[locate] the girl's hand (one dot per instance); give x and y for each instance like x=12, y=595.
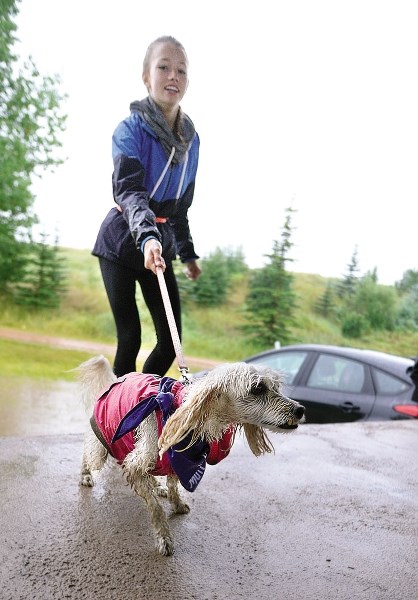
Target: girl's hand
x=152, y=256
x=192, y=270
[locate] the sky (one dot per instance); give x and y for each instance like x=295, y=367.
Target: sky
x=302, y=104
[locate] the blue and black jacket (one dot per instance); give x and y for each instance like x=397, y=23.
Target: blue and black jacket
x=139, y=162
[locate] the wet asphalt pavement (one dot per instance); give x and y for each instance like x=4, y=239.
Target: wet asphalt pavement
x=333, y=515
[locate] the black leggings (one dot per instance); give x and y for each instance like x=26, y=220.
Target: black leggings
x=120, y=284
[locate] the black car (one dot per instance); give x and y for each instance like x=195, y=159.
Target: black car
x=337, y=384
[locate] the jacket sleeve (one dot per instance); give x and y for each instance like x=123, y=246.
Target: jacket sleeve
x=129, y=191
x=180, y=223
x=132, y=197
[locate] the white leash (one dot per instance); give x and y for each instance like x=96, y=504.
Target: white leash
x=173, y=327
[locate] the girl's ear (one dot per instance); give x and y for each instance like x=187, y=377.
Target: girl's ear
x=257, y=439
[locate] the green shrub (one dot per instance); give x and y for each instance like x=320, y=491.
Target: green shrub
x=354, y=325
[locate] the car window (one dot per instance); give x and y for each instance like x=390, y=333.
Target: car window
x=388, y=384
x=337, y=373
x=287, y=363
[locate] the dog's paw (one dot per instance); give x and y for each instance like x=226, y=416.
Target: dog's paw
x=182, y=508
x=165, y=546
x=86, y=480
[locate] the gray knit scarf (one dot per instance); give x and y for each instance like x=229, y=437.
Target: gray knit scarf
x=180, y=137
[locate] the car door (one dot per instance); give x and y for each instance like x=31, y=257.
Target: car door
x=335, y=389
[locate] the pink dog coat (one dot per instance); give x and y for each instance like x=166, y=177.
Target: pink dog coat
x=122, y=407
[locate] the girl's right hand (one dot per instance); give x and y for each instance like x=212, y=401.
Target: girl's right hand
x=152, y=256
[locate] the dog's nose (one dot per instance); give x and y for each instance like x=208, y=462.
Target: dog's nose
x=299, y=411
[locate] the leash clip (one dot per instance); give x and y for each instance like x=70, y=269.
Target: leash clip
x=185, y=376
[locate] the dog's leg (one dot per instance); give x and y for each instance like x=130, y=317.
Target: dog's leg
x=145, y=454
x=94, y=457
x=137, y=466
x=180, y=507
x=144, y=486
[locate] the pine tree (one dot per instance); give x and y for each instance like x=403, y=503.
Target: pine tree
x=325, y=304
x=271, y=300
x=44, y=279
x=347, y=286
x=218, y=271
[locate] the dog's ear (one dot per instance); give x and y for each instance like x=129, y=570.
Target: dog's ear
x=257, y=439
x=190, y=416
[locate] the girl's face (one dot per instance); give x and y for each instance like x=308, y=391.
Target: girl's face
x=166, y=79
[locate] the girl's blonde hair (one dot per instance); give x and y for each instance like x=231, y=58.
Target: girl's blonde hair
x=164, y=39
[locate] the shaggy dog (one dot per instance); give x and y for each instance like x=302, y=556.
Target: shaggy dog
x=158, y=426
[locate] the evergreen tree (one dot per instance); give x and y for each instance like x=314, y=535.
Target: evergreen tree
x=235, y=260
x=271, y=300
x=212, y=286
x=218, y=270
x=372, y=275
x=30, y=122
x=44, y=278
x=325, y=304
x=348, y=284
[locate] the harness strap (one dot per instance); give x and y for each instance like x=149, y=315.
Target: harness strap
x=99, y=435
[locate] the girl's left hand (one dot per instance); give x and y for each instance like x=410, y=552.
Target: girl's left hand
x=192, y=270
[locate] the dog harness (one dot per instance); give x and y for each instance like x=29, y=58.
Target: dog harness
x=132, y=398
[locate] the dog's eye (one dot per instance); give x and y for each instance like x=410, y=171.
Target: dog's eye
x=259, y=389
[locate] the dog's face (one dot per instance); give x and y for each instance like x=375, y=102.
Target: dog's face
x=237, y=394
x=260, y=400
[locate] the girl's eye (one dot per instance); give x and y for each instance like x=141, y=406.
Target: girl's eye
x=181, y=72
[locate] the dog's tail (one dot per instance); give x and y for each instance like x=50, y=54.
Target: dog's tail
x=94, y=375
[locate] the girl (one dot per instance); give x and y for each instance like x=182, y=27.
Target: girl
x=155, y=154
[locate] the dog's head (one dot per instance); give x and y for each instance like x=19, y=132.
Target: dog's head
x=244, y=395
x=259, y=399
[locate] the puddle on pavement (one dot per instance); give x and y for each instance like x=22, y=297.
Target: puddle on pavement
x=32, y=407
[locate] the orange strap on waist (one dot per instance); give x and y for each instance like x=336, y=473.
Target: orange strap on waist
x=157, y=219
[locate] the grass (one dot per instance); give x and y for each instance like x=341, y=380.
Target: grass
x=35, y=361
x=211, y=333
